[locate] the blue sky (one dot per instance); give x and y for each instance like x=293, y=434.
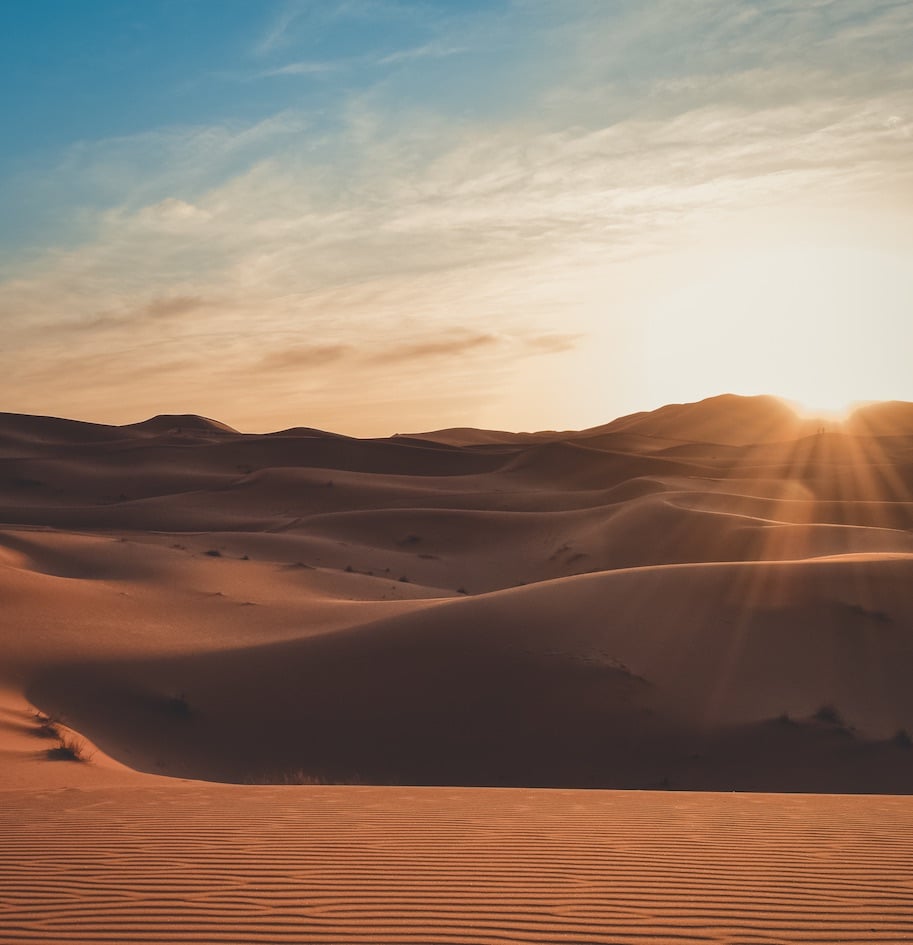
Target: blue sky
x=298, y=212
x=78, y=73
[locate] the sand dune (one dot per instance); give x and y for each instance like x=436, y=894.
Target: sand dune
x=583, y=681
x=710, y=597
x=629, y=606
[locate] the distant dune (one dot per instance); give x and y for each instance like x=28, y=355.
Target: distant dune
x=710, y=596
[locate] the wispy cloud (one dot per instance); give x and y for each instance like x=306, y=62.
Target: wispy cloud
x=278, y=28
x=552, y=343
x=414, y=351
x=420, y=350
x=302, y=68
x=434, y=50
x=300, y=357
x=157, y=310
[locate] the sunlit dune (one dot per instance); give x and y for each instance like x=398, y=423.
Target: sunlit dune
x=708, y=597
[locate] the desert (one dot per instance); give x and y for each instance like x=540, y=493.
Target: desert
x=433, y=687
x=456, y=472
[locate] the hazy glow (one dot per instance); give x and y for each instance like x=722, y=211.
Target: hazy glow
x=819, y=325
x=378, y=217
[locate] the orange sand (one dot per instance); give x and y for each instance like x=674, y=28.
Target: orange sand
x=337, y=865
x=709, y=597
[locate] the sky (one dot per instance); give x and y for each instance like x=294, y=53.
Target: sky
x=379, y=216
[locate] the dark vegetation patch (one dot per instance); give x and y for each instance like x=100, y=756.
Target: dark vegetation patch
x=829, y=716
x=23, y=482
x=785, y=719
x=178, y=707
x=880, y=616
x=69, y=747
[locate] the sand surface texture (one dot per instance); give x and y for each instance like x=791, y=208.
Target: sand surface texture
x=432, y=865
x=710, y=597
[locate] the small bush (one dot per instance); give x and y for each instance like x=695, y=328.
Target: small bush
x=178, y=706
x=404, y=580
x=301, y=777
x=47, y=726
x=901, y=739
x=69, y=748
x=880, y=615
x=213, y=553
x=829, y=716
x=462, y=590
x=349, y=569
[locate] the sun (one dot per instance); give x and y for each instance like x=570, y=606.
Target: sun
x=834, y=409
x=823, y=327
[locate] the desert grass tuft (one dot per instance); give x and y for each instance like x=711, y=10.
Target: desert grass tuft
x=829, y=716
x=300, y=777
x=47, y=725
x=178, y=706
x=70, y=748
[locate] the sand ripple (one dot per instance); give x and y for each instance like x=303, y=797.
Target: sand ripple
x=218, y=864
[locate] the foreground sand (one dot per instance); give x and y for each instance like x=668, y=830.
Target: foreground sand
x=220, y=864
